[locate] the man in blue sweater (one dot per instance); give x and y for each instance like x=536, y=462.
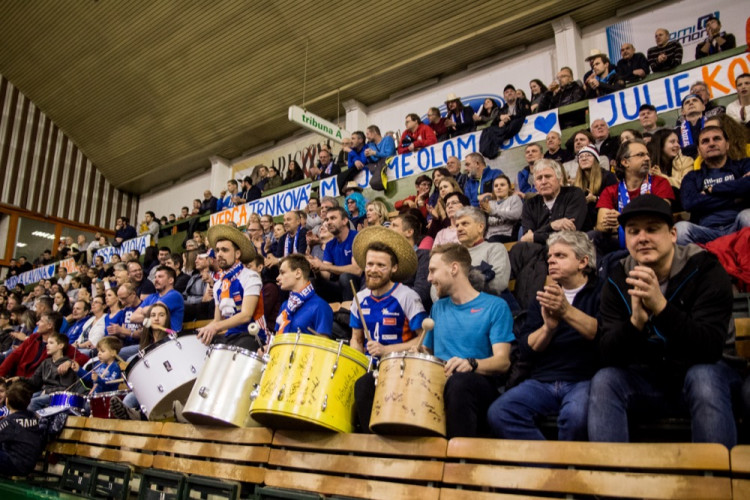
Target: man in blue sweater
x=718, y=195
x=479, y=183
x=557, y=342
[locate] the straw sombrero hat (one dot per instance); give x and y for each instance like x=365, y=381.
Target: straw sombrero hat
x=407, y=257
x=226, y=232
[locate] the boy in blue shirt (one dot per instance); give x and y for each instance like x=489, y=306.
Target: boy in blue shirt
x=107, y=375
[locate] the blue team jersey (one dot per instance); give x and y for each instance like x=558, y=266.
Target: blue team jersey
x=105, y=375
x=125, y=322
x=315, y=313
x=340, y=253
x=75, y=331
x=391, y=318
x=469, y=330
x=174, y=302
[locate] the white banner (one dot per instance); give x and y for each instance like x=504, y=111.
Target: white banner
x=667, y=93
x=535, y=128
x=685, y=21
x=276, y=204
x=140, y=243
x=33, y=276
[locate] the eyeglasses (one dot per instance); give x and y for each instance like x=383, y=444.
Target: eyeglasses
x=637, y=155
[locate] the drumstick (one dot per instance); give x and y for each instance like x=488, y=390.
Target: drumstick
x=427, y=324
x=359, y=310
x=81, y=378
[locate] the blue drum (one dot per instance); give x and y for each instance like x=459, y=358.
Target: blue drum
x=61, y=401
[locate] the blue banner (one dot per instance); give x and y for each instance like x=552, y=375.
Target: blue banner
x=33, y=276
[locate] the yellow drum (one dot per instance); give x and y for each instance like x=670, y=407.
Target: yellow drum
x=308, y=384
x=409, y=395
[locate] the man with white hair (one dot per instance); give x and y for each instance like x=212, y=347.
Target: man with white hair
x=557, y=343
x=558, y=208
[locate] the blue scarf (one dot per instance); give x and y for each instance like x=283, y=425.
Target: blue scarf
x=288, y=243
x=606, y=77
x=623, y=198
x=686, y=134
x=297, y=299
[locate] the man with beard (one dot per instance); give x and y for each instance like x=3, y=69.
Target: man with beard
x=304, y=311
x=237, y=293
x=391, y=311
x=166, y=294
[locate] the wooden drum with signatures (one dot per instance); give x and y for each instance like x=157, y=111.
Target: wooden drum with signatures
x=409, y=395
x=308, y=383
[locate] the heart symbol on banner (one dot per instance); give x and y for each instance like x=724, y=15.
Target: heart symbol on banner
x=545, y=123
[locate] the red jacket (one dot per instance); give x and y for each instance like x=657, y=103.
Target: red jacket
x=25, y=358
x=424, y=136
x=733, y=251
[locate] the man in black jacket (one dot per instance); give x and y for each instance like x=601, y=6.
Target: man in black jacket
x=603, y=79
x=632, y=66
x=665, y=315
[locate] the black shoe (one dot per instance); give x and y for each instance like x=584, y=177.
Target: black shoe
x=118, y=410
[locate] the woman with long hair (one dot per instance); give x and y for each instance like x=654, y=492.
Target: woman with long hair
x=738, y=136
x=158, y=313
x=591, y=178
x=503, y=211
x=437, y=175
x=487, y=114
x=376, y=214
x=540, y=96
x=294, y=173
x=667, y=159
x=440, y=219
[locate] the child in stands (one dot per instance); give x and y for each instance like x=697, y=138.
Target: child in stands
x=20, y=438
x=106, y=375
x=46, y=378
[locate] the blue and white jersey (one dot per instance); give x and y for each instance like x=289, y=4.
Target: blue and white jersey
x=391, y=318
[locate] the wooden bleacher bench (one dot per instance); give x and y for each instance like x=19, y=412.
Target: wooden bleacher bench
x=125, y=441
x=742, y=336
x=740, y=461
x=237, y=454
x=355, y=465
x=512, y=469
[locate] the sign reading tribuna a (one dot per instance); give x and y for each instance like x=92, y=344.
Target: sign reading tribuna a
x=316, y=124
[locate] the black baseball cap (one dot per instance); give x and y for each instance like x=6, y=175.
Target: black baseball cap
x=650, y=107
x=646, y=204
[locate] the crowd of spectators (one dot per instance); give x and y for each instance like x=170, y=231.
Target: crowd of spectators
x=633, y=208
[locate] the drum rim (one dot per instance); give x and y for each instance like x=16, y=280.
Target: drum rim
x=413, y=355
x=69, y=393
x=153, y=346
x=105, y=394
x=363, y=364
x=238, y=350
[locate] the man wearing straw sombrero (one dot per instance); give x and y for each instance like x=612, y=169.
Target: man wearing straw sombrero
x=392, y=312
x=237, y=292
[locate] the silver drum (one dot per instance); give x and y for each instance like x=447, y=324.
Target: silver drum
x=223, y=391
